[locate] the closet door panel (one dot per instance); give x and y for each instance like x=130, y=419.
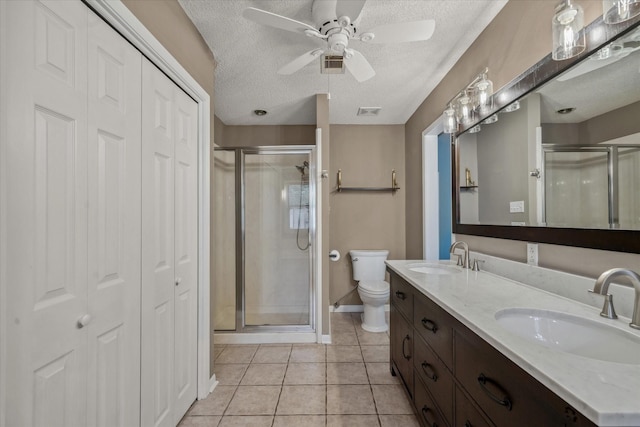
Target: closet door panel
x=158, y=268
x=46, y=217
x=114, y=151
x=186, y=247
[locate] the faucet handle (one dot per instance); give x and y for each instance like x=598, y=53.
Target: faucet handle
x=476, y=264
x=608, y=310
x=459, y=262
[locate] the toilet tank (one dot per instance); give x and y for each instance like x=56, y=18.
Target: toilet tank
x=368, y=264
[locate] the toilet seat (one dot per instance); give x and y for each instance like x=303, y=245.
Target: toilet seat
x=374, y=287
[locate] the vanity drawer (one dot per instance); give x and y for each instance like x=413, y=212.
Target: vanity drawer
x=466, y=414
x=428, y=413
x=506, y=393
x=435, y=376
x=402, y=296
x=436, y=327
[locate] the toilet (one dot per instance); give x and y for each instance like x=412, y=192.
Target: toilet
x=369, y=271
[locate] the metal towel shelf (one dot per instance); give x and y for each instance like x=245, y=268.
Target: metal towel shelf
x=394, y=184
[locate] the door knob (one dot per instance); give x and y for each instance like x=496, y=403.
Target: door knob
x=84, y=321
x=178, y=281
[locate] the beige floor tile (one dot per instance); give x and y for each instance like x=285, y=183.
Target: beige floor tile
x=305, y=373
x=272, y=354
x=308, y=353
x=217, y=349
x=200, y=421
x=344, y=338
x=380, y=373
x=375, y=353
x=342, y=322
x=371, y=338
x=264, y=374
x=346, y=373
x=302, y=400
x=215, y=403
x=237, y=354
x=254, y=400
x=350, y=399
x=399, y=421
x=247, y=421
x=229, y=374
x=344, y=353
x=299, y=421
x=391, y=399
x=352, y=421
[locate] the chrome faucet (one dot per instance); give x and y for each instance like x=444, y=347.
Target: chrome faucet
x=465, y=261
x=602, y=287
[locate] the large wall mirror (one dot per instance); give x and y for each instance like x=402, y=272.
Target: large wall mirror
x=559, y=162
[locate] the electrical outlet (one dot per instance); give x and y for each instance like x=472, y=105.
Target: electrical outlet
x=532, y=253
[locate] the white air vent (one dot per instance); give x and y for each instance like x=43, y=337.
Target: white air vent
x=369, y=111
x=332, y=64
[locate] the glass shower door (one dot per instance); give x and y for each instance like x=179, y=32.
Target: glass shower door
x=277, y=254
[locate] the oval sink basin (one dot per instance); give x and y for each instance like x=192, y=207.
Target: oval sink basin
x=572, y=334
x=432, y=268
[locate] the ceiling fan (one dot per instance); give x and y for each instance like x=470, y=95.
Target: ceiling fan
x=335, y=21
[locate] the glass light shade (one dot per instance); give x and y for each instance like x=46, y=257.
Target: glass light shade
x=483, y=94
x=449, y=120
x=464, y=109
x=567, y=25
x=616, y=11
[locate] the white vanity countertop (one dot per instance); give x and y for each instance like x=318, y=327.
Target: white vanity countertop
x=605, y=392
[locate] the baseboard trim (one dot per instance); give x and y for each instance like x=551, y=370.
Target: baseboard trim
x=326, y=339
x=352, y=308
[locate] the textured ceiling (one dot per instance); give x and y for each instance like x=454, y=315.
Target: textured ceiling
x=249, y=54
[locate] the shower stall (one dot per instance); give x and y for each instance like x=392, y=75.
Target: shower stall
x=263, y=230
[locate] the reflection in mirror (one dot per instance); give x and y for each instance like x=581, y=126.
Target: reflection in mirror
x=568, y=157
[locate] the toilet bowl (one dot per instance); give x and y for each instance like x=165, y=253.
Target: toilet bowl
x=369, y=272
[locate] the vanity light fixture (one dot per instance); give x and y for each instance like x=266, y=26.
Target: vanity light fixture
x=514, y=106
x=567, y=30
x=475, y=99
x=616, y=11
x=491, y=119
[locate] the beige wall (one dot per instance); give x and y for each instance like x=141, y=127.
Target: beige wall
x=251, y=136
x=365, y=220
x=167, y=21
x=516, y=39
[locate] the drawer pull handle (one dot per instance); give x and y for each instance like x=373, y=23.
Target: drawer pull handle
x=401, y=295
x=407, y=338
x=429, y=325
x=425, y=410
x=430, y=373
x=505, y=401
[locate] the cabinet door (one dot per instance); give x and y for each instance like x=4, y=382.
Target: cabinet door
x=114, y=149
x=44, y=210
x=402, y=347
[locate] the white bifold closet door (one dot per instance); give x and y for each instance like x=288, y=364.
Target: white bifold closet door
x=169, y=249
x=73, y=167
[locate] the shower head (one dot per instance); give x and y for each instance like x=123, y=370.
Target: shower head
x=305, y=165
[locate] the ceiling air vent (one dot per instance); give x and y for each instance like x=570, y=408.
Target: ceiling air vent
x=369, y=111
x=332, y=64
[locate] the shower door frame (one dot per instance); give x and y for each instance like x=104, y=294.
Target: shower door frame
x=240, y=217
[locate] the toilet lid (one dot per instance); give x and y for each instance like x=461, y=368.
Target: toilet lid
x=374, y=287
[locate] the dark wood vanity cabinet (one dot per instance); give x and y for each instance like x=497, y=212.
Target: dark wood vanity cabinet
x=455, y=378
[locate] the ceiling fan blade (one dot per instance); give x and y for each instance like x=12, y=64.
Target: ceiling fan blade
x=402, y=32
x=277, y=21
x=358, y=65
x=350, y=8
x=300, y=62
